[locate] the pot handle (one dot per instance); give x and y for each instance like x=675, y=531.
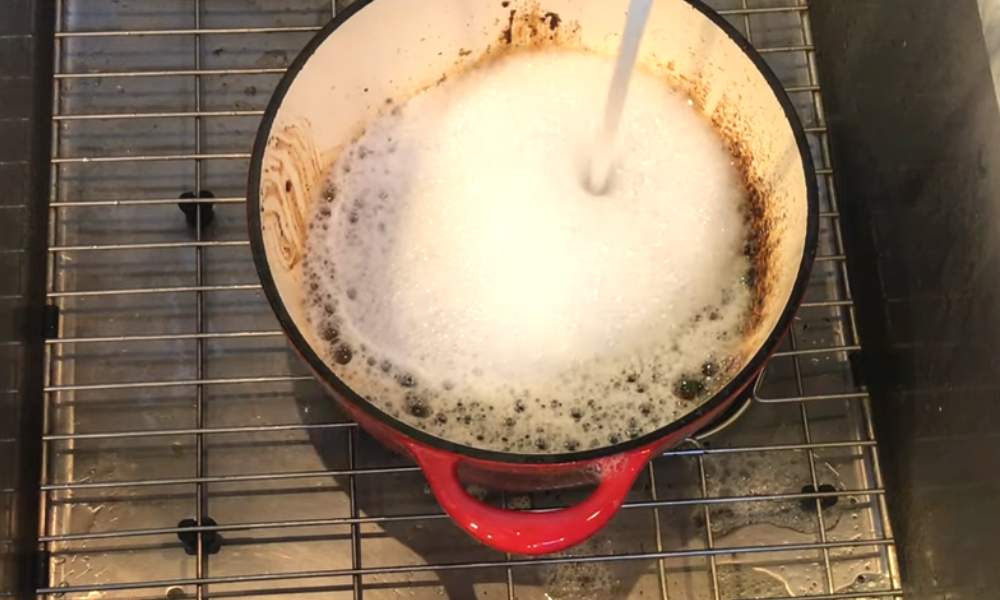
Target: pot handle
x=521, y=532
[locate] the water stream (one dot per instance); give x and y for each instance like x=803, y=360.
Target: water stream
x=603, y=155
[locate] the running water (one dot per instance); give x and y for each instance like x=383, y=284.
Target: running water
x=604, y=145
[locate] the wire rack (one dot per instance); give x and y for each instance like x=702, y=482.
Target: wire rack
x=188, y=453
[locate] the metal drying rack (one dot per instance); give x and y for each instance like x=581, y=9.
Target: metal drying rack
x=186, y=454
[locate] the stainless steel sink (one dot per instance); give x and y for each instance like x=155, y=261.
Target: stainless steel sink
x=171, y=395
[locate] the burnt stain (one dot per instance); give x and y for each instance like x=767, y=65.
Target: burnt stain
x=508, y=33
x=553, y=19
x=532, y=27
x=759, y=208
x=464, y=52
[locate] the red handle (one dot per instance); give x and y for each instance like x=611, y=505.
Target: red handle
x=530, y=532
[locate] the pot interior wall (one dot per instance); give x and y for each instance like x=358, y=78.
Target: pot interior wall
x=397, y=50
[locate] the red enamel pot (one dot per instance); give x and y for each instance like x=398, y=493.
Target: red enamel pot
x=392, y=48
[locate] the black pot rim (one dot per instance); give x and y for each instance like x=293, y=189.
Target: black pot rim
x=736, y=383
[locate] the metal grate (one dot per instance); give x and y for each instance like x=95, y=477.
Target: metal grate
x=170, y=393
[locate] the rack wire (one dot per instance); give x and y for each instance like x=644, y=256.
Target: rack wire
x=171, y=394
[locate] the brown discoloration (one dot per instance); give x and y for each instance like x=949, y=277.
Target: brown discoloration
x=761, y=220
x=530, y=26
x=291, y=169
x=508, y=33
x=553, y=20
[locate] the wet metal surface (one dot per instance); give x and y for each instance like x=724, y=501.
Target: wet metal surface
x=920, y=169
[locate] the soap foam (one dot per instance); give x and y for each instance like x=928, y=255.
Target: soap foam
x=465, y=281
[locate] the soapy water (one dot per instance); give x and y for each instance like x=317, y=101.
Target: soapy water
x=464, y=281
x=753, y=523
x=756, y=474
x=582, y=580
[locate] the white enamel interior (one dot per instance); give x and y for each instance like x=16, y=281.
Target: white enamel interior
x=392, y=48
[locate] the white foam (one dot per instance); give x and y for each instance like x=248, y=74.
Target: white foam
x=463, y=249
